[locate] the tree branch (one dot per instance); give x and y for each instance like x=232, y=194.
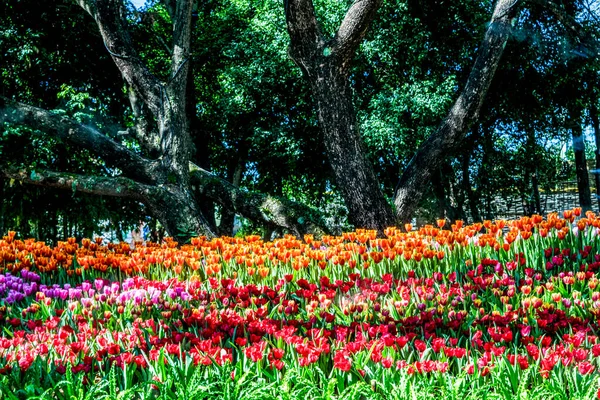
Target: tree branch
x=354, y=27
x=175, y=140
x=106, y=186
x=571, y=24
x=270, y=211
x=182, y=34
x=80, y=135
x=147, y=137
x=304, y=31
x=109, y=18
x=461, y=116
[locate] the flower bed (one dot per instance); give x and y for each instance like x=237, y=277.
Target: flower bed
x=506, y=309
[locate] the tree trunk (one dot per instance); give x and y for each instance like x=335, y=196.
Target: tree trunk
x=267, y=210
x=160, y=177
x=118, y=231
x=354, y=175
x=460, y=198
x=54, y=227
x=176, y=209
x=445, y=193
x=65, y=226
x=440, y=194
x=536, y=191
x=461, y=116
x=228, y=215
x=596, y=127
x=325, y=64
x=471, y=195
x=531, y=185
x=484, y=174
x=198, y=135
x=583, y=181
x=2, y=206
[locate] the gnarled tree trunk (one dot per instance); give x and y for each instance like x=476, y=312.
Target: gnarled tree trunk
x=2, y=205
x=461, y=116
x=354, y=175
x=596, y=127
x=325, y=65
x=159, y=176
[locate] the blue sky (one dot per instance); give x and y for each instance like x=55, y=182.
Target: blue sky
x=138, y=3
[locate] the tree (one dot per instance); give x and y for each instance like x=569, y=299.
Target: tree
x=161, y=176
x=56, y=63
x=325, y=64
x=204, y=120
x=596, y=127
x=462, y=114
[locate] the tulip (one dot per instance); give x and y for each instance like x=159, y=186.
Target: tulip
x=556, y=297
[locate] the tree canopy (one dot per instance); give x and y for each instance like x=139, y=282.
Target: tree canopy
x=300, y=116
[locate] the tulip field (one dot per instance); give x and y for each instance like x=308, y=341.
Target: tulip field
x=496, y=310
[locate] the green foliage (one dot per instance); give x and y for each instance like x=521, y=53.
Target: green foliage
x=254, y=114
x=54, y=59
x=169, y=379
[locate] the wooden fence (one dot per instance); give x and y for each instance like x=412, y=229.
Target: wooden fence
x=562, y=196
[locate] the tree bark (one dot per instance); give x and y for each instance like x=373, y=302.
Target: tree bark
x=536, y=191
x=146, y=135
x=181, y=213
x=458, y=211
x=437, y=181
x=461, y=116
x=453, y=202
x=228, y=215
x=117, y=187
x=166, y=101
x=109, y=16
x=325, y=65
x=583, y=180
x=445, y=194
x=354, y=175
x=484, y=174
x=162, y=184
x=596, y=127
x=161, y=179
x=471, y=195
x=2, y=206
x=145, y=181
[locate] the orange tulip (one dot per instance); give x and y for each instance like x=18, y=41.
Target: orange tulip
x=263, y=272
